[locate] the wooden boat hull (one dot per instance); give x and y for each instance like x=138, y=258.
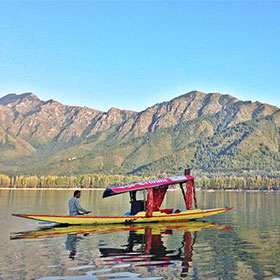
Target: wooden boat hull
x=138, y=218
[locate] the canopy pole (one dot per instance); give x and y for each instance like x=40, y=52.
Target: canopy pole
x=144, y=194
x=183, y=192
x=187, y=171
x=194, y=197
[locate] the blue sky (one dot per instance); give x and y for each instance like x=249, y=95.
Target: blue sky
x=134, y=54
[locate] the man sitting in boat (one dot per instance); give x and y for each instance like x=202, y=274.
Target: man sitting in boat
x=75, y=208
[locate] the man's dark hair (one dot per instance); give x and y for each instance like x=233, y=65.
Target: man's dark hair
x=76, y=192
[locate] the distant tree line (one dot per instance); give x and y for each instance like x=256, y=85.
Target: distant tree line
x=239, y=183
x=81, y=181
x=103, y=181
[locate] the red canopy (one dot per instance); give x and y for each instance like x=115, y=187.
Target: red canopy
x=147, y=185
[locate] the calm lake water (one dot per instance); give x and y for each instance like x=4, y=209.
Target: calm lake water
x=243, y=243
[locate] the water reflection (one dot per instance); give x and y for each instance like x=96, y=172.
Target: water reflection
x=250, y=251
x=157, y=228
x=146, y=244
x=152, y=251
x=71, y=244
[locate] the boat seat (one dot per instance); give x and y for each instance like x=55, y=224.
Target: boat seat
x=136, y=206
x=167, y=211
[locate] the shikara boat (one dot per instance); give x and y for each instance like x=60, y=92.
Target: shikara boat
x=146, y=210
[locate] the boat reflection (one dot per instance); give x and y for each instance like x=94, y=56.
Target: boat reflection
x=152, y=251
x=145, y=245
x=51, y=232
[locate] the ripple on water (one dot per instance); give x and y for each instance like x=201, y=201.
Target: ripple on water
x=195, y=250
x=81, y=267
x=91, y=275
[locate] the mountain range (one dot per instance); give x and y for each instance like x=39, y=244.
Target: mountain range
x=212, y=133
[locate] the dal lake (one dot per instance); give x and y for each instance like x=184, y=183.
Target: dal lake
x=243, y=243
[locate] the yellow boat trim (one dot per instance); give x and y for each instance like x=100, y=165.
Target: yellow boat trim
x=138, y=218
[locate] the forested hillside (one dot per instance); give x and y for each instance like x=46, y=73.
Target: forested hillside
x=214, y=134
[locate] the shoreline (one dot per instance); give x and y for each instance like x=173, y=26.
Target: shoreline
x=102, y=189
x=51, y=189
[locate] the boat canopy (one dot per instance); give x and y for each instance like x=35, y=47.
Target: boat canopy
x=156, y=190
x=155, y=183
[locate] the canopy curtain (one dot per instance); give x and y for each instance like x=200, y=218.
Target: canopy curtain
x=155, y=198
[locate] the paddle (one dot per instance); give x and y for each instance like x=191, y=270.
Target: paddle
x=81, y=214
